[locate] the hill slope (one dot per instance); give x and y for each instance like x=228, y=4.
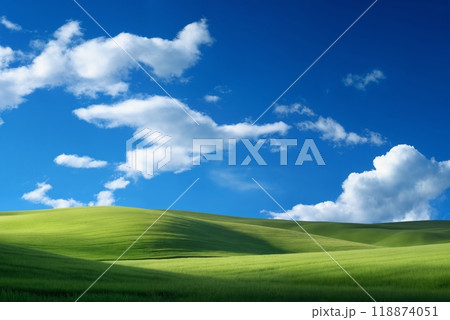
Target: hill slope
x=103, y=233
x=54, y=255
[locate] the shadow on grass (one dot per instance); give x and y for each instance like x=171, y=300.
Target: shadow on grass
x=32, y=275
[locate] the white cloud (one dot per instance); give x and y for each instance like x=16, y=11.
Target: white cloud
x=10, y=25
x=129, y=172
x=6, y=56
x=399, y=188
x=104, y=198
x=296, y=108
x=98, y=65
x=361, y=81
x=119, y=183
x=329, y=128
x=75, y=161
x=164, y=115
x=211, y=98
x=39, y=195
x=333, y=131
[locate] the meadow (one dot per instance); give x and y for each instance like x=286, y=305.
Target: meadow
x=54, y=255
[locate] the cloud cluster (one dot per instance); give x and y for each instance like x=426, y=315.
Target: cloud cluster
x=399, y=188
x=89, y=67
x=106, y=197
x=296, y=108
x=39, y=195
x=328, y=128
x=99, y=66
x=103, y=198
x=164, y=115
x=360, y=82
x=331, y=130
x=75, y=161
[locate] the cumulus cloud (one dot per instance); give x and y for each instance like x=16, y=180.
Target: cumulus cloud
x=333, y=131
x=399, y=188
x=10, y=25
x=296, y=108
x=89, y=67
x=75, y=161
x=6, y=56
x=211, y=98
x=129, y=172
x=164, y=115
x=119, y=183
x=104, y=198
x=39, y=195
x=362, y=81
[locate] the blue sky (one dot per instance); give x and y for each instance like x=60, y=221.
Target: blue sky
x=380, y=93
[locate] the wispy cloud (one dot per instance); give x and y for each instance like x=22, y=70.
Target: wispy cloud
x=362, y=81
x=76, y=161
x=331, y=130
x=296, y=108
x=328, y=128
x=9, y=24
x=211, y=98
x=223, y=89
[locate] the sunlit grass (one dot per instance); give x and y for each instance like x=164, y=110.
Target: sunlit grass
x=54, y=255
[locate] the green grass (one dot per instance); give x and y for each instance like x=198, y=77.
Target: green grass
x=54, y=255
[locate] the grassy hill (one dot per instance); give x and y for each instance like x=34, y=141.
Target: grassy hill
x=54, y=255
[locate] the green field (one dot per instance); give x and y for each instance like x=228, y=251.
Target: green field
x=54, y=255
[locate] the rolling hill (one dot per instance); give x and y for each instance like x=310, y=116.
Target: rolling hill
x=54, y=255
